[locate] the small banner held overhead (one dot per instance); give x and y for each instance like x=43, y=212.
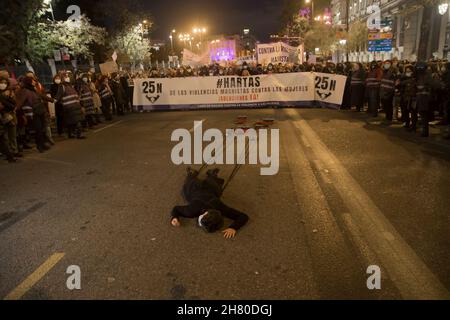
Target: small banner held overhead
x=108, y=67
x=194, y=60
x=279, y=52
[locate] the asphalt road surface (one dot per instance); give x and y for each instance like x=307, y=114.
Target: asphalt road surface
x=349, y=194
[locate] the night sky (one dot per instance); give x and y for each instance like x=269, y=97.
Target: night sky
x=218, y=16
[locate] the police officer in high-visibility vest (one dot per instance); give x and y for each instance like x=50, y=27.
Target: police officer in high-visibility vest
x=423, y=83
x=86, y=99
x=387, y=90
x=357, y=86
x=373, y=88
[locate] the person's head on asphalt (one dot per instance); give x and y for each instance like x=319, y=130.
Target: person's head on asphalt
x=211, y=221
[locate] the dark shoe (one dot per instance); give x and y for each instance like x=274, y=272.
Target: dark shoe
x=81, y=138
x=18, y=155
x=27, y=147
x=12, y=160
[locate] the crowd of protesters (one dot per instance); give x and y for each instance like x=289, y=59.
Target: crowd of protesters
x=81, y=101
x=418, y=91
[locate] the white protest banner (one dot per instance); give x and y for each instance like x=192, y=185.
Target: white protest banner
x=108, y=67
x=57, y=55
x=328, y=89
x=248, y=59
x=194, y=60
x=304, y=89
x=277, y=52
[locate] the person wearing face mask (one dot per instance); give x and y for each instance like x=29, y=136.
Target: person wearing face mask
x=86, y=99
x=373, y=81
x=357, y=87
x=33, y=101
x=96, y=99
x=59, y=113
x=387, y=90
x=42, y=91
x=407, y=92
x=8, y=117
x=72, y=109
x=105, y=95
x=244, y=70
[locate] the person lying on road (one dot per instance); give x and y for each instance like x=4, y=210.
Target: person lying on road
x=204, y=201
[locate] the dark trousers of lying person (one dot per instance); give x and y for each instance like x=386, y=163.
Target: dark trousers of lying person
x=204, y=203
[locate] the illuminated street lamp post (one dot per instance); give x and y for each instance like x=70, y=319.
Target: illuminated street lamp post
x=201, y=32
x=186, y=38
x=171, y=39
x=143, y=28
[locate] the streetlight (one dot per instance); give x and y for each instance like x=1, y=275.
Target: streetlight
x=171, y=39
x=201, y=32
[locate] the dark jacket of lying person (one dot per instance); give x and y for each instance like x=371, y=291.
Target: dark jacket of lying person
x=204, y=201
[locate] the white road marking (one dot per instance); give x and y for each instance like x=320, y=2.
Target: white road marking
x=408, y=272
x=108, y=126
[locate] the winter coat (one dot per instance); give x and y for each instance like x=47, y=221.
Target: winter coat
x=357, y=87
x=387, y=85
x=86, y=98
x=72, y=112
x=423, y=85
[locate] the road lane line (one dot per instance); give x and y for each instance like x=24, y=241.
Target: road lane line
x=408, y=272
x=108, y=126
x=330, y=254
x=32, y=279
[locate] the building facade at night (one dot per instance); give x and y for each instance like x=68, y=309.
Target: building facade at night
x=419, y=33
